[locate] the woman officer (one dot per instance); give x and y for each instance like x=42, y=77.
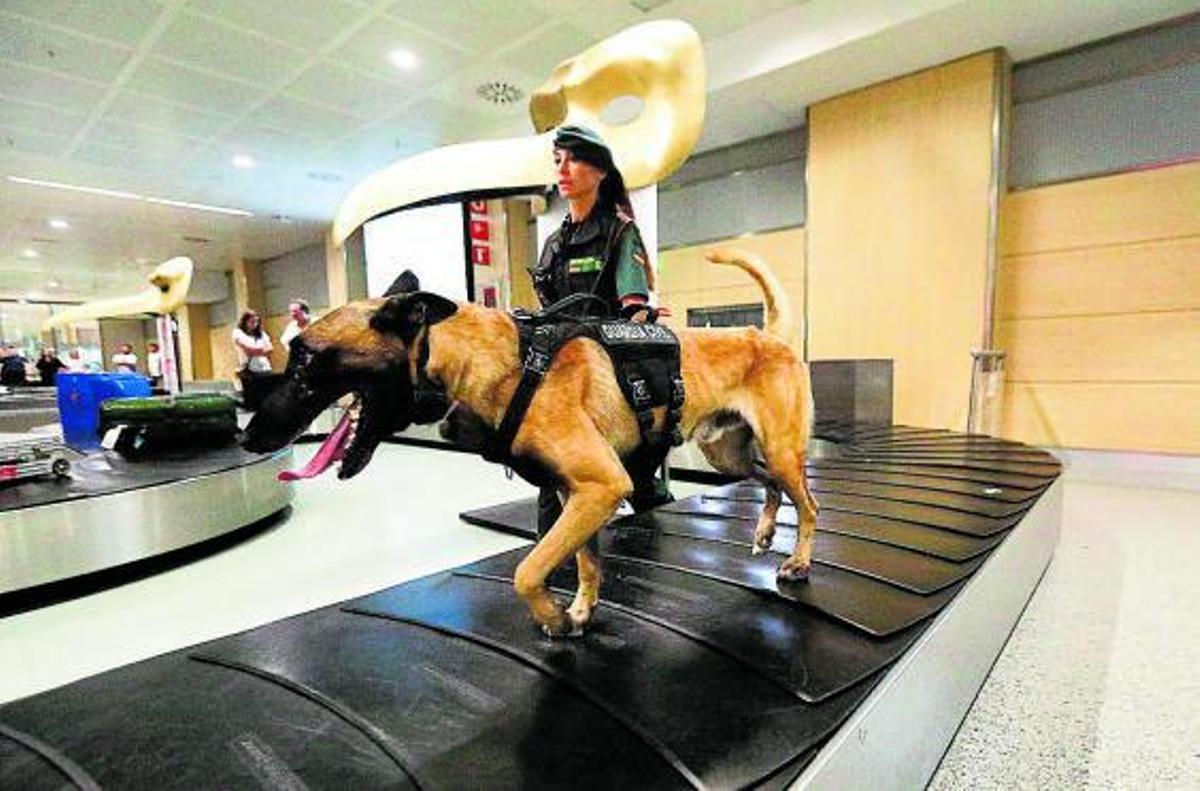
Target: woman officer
x=598, y=250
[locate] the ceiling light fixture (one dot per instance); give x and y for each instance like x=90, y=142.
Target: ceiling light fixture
x=403, y=59
x=243, y=161
x=29, y=252
x=53, y=284
x=129, y=196
x=59, y=225
x=499, y=92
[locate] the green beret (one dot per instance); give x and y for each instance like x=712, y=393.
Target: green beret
x=584, y=144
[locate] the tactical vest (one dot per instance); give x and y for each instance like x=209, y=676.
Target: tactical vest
x=579, y=258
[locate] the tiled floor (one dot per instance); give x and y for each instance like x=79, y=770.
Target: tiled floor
x=1096, y=688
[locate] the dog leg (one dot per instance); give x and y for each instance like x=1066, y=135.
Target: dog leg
x=786, y=465
x=764, y=531
x=588, y=595
x=586, y=511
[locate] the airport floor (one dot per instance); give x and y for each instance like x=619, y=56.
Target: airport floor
x=1096, y=687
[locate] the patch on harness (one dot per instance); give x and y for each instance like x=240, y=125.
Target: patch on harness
x=630, y=331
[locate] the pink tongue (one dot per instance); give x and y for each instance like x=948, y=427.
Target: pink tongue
x=330, y=451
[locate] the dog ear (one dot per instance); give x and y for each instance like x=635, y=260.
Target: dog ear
x=406, y=283
x=405, y=314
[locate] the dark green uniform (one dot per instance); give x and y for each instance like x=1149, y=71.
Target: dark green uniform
x=603, y=255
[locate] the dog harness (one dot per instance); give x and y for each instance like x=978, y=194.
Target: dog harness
x=645, y=359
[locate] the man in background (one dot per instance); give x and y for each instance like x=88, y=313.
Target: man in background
x=301, y=317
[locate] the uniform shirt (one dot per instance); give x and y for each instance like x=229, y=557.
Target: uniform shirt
x=602, y=255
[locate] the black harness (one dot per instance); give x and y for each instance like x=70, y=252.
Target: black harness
x=645, y=358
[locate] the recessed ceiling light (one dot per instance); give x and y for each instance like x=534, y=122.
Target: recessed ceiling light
x=53, y=284
x=59, y=225
x=403, y=59
x=29, y=252
x=243, y=161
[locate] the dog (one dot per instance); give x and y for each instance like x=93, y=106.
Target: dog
x=747, y=394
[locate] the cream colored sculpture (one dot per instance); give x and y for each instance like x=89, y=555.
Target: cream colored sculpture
x=169, y=284
x=660, y=63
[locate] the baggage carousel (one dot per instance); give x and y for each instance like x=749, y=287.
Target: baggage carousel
x=111, y=513
x=699, y=670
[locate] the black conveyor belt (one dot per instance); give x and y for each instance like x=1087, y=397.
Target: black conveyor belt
x=699, y=669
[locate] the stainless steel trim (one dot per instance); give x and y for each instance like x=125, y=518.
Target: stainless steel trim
x=53, y=542
x=897, y=737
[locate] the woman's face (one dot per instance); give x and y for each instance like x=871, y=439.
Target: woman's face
x=576, y=178
x=252, y=321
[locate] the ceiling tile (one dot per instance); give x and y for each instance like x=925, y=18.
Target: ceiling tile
x=121, y=21
x=176, y=83
x=304, y=23
x=143, y=110
x=350, y=91
x=121, y=157
x=17, y=82
x=432, y=121
x=302, y=119
x=196, y=41
x=151, y=142
x=460, y=90
x=42, y=47
x=30, y=142
x=474, y=24
x=368, y=50
x=549, y=48
x=39, y=117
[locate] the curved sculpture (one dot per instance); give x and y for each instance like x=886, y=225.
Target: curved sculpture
x=169, y=284
x=660, y=63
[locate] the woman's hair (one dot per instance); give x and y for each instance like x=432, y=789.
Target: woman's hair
x=244, y=324
x=613, y=194
x=300, y=303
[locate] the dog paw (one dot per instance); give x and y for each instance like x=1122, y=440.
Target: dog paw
x=567, y=630
x=757, y=549
x=792, y=571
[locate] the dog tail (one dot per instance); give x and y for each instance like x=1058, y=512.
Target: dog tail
x=780, y=320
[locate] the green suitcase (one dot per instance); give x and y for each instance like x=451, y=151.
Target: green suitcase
x=160, y=423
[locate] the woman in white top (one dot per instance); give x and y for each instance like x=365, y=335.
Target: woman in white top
x=253, y=344
x=253, y=347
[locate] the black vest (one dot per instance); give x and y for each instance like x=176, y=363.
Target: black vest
x=591, y=248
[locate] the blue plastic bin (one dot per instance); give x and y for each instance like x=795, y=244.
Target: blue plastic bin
x=79, y=399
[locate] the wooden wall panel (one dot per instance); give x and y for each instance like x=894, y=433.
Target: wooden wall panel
x=898, y=182
x=1134, y=278
x=200, y=341
x=1121, y=209
x=1163, y=418
x=1135, y=347
x=224, y=358
x=1099, y=294
x=686, y=280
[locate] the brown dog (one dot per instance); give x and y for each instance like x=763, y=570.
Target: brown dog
x=747, y=393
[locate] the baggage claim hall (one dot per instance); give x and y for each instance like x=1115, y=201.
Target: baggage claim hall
x=617, y=394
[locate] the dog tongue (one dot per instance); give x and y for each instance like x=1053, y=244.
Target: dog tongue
x=330, y=451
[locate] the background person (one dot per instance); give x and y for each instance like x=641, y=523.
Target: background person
x=253, y=346
x=154, y=364
x=301, y=317
x=75, y=361
x=48, y=366
x=12, y=366
x=124, y=361
x=598, y=250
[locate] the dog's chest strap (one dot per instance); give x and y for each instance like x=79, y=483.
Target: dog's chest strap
x=645, y=358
